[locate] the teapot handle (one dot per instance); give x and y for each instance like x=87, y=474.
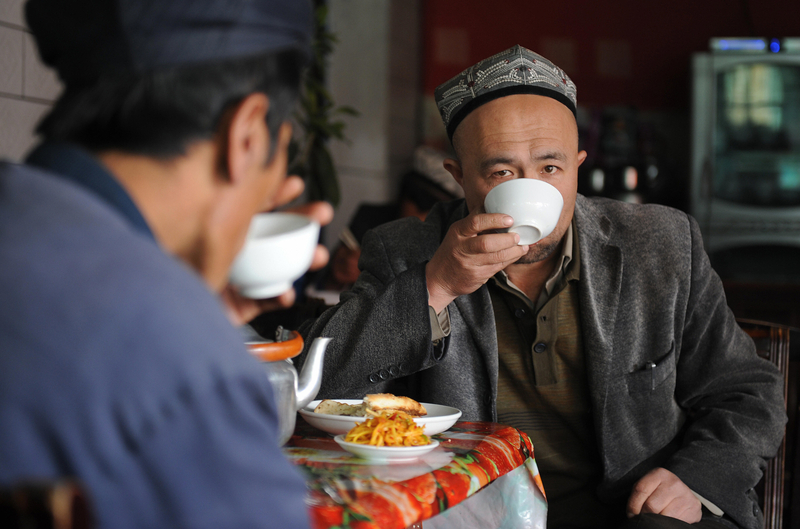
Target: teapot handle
x=273, y=351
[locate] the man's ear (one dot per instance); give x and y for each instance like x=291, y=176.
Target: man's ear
x=245, y=141
x=453, y=167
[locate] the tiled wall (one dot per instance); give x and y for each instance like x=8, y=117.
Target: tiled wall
x=27, y=88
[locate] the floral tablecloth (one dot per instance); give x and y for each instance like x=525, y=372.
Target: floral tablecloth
x=495, y=460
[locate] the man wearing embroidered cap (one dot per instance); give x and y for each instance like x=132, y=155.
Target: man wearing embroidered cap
x=118, y=365
x=608, y=341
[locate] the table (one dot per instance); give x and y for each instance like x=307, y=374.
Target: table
x=481, y=475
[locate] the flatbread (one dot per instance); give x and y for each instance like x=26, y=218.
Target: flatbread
x=332, y=407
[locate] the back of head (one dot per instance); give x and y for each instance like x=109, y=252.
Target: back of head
x=422, y=191
x=152, y=76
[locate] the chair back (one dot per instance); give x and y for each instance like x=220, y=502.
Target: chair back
x=45, y=504
x=772, y=343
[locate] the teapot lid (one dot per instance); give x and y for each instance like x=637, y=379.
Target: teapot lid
x=269, y=351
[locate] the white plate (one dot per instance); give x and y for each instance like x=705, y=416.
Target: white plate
x=386, y=453
x=438, y=420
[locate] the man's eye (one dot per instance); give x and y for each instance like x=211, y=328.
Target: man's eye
x=503, y=172
x=550, y=169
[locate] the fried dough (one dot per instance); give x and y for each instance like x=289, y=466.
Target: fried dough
x=387, y=402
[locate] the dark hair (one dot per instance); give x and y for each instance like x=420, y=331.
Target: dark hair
x=161, y=113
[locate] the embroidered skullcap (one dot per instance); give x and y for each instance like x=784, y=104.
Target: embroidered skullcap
x=516, y=70
x=83, y=39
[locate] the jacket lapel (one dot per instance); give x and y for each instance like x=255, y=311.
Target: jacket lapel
x=600, y=283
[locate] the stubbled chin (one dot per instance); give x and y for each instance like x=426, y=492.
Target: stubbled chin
x=538, y=252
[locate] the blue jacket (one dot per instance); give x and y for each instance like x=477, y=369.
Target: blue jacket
x=119, y=367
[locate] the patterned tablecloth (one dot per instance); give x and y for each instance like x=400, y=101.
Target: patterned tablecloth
x=481, y=475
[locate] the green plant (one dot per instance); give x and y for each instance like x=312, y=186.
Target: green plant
x=318, y=118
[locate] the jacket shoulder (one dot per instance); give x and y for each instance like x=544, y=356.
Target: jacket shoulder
x=625, y=212
x=647, y=223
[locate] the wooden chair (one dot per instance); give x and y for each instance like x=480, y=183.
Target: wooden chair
x=772, y=343
x=45, y=505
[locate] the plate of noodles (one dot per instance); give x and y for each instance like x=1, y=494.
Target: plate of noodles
x=438, y=419
x=387, y=436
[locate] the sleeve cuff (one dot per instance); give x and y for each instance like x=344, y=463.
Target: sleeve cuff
x=440, y=324
x=713, y=509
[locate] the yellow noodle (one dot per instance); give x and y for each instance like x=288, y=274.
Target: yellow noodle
x=394, y=428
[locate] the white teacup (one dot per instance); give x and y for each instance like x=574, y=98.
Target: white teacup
x=278, y=250
x=534, y=205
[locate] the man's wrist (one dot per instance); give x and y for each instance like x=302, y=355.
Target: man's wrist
x=439, y=304
x=436, y=298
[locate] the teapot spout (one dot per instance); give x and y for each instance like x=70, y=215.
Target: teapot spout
x=310, y=378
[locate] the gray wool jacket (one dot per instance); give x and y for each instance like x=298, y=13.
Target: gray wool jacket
x=710, y=411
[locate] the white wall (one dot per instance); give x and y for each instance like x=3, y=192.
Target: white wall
x=27, y=88
x=374, y=68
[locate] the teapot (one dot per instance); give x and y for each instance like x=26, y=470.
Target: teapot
x=292, y=392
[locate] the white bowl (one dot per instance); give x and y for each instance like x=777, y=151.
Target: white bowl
x=534, y=205
x=386, y=453
x=438, y=420
x=278, y=250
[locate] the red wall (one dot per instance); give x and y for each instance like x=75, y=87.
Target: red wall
x=631, y=52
